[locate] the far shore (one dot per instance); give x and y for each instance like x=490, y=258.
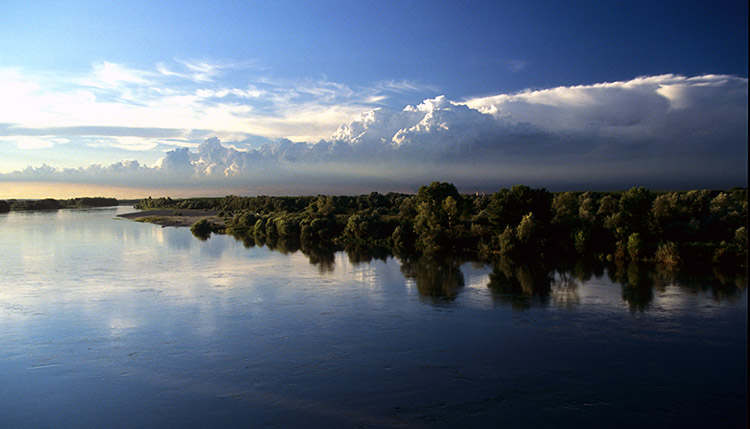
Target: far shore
x=173, y=217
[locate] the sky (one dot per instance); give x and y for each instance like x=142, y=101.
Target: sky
x=190, y=98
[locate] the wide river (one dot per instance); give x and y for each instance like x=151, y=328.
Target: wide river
x=113, y=323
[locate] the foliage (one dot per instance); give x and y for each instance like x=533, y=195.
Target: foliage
x=516, y=223
x=581, y=240
x=667, y=254
x=508, y=207
x=635, y=246
x=634, y=214
x=438, y=220
x=53, y=204
x=202, y=229
x=90, y=202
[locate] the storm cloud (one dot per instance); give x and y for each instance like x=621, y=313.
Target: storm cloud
x=663, y=131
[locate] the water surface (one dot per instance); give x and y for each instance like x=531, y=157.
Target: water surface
x=112, y=323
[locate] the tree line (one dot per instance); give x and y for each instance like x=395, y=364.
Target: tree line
x=520, y=223
x=53, y=204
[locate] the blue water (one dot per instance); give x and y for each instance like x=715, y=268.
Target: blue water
x=113, y=323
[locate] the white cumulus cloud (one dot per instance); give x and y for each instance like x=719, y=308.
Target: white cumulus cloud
x=660, y=131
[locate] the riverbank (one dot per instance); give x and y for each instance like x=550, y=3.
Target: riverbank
x=183, y=217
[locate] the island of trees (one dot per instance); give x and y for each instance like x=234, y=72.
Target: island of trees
x=520, y=223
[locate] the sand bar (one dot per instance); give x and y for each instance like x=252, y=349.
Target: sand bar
x=173, y=217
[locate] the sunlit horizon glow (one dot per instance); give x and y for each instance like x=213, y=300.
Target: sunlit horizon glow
x=259, y=100
x=41, y=190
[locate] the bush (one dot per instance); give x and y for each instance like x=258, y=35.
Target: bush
x=357, y=228
x=202, y=229
x=581, y=240
x=667, y=254
x=635, y=246
x=506, y=242
x=740, y=239
x=288, y=226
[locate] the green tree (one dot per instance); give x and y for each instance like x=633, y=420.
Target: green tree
x=587, y=208
x=437, y=220
x=323, y=206
x=437, y=192
x=581, y=239
x=407, y=208
x=403, y=238
x=728, y=211
x=508, y=207
x=288, y=225
x=450, y=209
x=272, y=231
x=428, y=227
x=740, y=239
x=565, y=210
x=202, y=229
x=506, y=243
x=357, y=228
x=635, y=212
x=607, y=212
x=635, y=246
x=527, y=229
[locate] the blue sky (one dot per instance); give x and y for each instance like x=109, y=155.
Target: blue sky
x=103, y=85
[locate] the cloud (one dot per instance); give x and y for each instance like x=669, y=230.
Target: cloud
x=663, y=131
x=30, y=143
x=107, y=75
x=403, y=86
x=11, y=130
x=233, y=101
x=195, y=71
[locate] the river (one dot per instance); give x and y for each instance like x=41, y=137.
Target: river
x=106, y=322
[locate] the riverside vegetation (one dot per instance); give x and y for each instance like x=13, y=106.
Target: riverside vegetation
x=52, y=204
x=520, y=223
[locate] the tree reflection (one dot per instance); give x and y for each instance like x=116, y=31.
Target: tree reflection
x=722, y=287
x=247, y=240
x=664, y=275
x=636, y=282
x=360, y=254
x=201, y=234
x=323, y=257
x=727, y=287
x=586, y=268
x=283, y=245
x=565, y=289
x=438, y=278
x=520, y=285
x=512, y=282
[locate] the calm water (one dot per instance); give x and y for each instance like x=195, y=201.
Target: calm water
x=112, y=323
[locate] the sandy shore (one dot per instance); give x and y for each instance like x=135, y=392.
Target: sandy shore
x=172, y=217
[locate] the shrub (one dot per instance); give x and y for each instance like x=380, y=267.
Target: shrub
x=202, y=229
x=667, y=254
x=581, y=240
x=635, y=246
x=506, y=242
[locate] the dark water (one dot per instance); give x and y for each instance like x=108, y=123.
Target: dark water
x=112, y=323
